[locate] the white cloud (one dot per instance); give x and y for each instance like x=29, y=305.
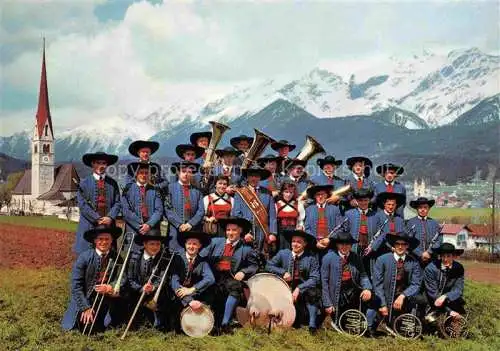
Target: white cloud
x=162, y=53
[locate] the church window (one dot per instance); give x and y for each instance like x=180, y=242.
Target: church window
x=36, y=149
x=46, y=148
x=46, y=130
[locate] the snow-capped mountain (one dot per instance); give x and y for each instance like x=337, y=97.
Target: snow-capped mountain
x=426, y=90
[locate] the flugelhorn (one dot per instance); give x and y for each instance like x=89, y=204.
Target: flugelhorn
x=259, y=144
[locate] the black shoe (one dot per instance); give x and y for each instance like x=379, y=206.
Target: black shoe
x=226, y=329
x=370, y=333
x=313, y=330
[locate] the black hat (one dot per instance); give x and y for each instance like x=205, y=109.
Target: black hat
x=389, y=166
x=261, y=172
x=382, y=197
x=133, y=167
x=91, y=234
x=295, y=162
x=309, y=238
x=448, y=248
x=234, y=141
x=276, y=145
x=362, y=193
x=343, y=238
x=227, y=150
x=88, y=158
x=194, y=137
x=139, y=144
x=422, y=201
x=153, y=234
x=184, y=164
x=328, y=160
x=244, y=224
x=352, y=160
x=269, y=158
x=311, y=191
x=204, y=238
x=393, y=237
x=182, y=148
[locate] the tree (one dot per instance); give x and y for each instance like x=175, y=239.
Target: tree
x=7, y=188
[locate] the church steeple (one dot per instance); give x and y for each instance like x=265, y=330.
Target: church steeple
x=43, y=117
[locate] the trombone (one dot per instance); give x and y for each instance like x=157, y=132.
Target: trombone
x=99, y=298
x=153, y=304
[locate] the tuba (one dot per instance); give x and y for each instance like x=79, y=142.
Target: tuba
x=218, y=129
x=311, y=148
x=259, y=144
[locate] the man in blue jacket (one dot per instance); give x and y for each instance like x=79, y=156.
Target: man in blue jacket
x=425, y=229
x=231, y=262
x=390, y=172
x=185, y=209
x=300, y=269
x=141, y=203
x=344, y=280
x=140, y=279
x=91, y=278
x=444, y=282
x=192, y=277
x=396, y=279
x=98, y=197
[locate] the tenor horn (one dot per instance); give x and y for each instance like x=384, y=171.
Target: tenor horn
x=311, y=148
x=259, y=144
x=218, y=130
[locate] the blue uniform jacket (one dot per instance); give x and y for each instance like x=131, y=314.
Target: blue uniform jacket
x=240, y=209
x=431, y=228
x=367, y=182
x=332, y=213
x=132, y=216
x=83, y=280
x=452, y=282
x=354, y=220
x=201, y=277
x=384, y=278
x=282, y=262
x=331, y=277
x=88, y=216
x=322, y=179
x=397, y=188
x=382, y=217
x=175, y=214
x=244, y=257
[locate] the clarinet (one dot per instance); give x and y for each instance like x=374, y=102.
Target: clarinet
x=337, y=227
x=375, y=237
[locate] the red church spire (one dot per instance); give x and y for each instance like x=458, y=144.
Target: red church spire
x=43, y=112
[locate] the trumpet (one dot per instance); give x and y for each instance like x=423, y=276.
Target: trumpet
x=154, y=302
x=99, y=298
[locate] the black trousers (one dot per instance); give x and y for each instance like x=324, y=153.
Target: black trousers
x=310, y=296
x=224, y=287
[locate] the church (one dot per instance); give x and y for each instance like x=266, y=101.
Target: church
x=45, y=189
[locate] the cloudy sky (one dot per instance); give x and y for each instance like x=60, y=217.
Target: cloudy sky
x=111, y=57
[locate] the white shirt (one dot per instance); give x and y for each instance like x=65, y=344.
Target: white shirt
x=396, y=257
x=356, y=176
x=146, y=256
x=98, y=176
x=342, y=256
x=206, y=201
x=100, y=253
x=387, y=183
x=182, y=183
x=321, y=205
x=388, y=214
x=297, y=255
x=139, y=184
x=192, y=258
x=422, y=218
x=233, y=244
x=362, y=211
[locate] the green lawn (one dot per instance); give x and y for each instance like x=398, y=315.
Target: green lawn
x=40, y=222
x=33, y=301
x=439, y=212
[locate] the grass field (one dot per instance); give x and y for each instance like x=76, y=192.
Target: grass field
x=33, y=301
x=475, y=215
x=40, y=222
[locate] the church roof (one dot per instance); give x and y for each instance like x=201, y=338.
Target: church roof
x=43, y=111
x=63, y=183
x=23, y=186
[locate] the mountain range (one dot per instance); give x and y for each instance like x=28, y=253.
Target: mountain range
x=391, y=107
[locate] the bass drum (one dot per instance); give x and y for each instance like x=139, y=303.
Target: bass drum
x=197, y=324
x=270, y=302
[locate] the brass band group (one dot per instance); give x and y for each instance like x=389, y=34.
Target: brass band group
x=256, y=240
